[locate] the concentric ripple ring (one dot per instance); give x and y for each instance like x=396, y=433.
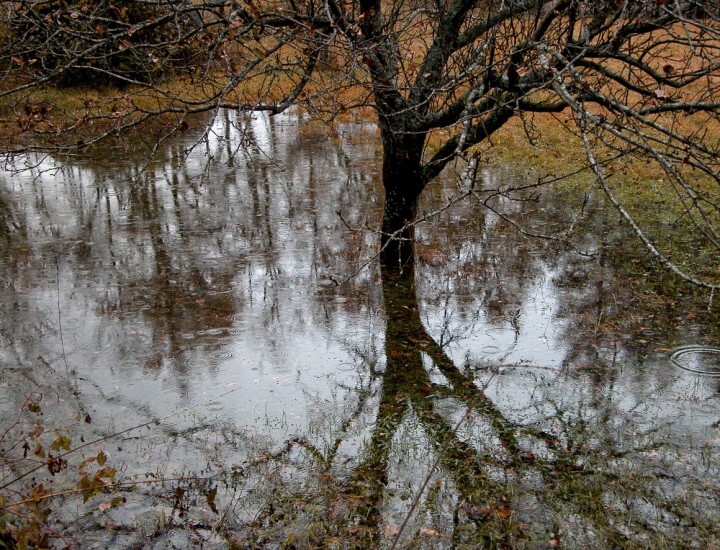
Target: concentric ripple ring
x=696, y=366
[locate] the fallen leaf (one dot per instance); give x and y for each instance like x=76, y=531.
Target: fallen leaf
x=479, y=512
x=391, y=529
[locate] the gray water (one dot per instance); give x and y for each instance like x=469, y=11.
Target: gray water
x=225, y=295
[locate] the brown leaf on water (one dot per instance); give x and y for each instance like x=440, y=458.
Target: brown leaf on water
x=391, y=530
x=61, y=442
x=478, y=512
x=37, y=430
x=39, y=451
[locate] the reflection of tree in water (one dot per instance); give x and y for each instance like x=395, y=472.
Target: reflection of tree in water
x=407, y=389
x=505, y=478
x=188, y=246
x=178, y=250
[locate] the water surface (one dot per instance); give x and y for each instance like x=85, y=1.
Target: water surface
x=225, y=295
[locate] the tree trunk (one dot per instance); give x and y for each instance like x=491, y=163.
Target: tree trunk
x=403, y=182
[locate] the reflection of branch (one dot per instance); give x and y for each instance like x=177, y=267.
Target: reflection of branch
x=447, y=441
x=369, y=478
x=465, y=389
x=404, y=325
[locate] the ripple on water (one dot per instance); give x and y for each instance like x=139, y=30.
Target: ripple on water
x=347, y=367
x=697, y=359
x=193, y=361
x=222, y=355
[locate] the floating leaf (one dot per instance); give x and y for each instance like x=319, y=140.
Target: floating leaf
x=61, y=442
x=39, y=450
x=56, y=464
x=391, y=529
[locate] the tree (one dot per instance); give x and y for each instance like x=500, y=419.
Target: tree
x=630, y=78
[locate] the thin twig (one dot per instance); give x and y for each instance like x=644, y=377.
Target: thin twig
x=60, y=329
x=116, y=434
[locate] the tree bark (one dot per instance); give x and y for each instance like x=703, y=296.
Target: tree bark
x=403, y=183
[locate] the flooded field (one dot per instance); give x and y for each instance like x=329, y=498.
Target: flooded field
x=215, y=324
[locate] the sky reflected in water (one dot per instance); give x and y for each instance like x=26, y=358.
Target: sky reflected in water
x=206, y=281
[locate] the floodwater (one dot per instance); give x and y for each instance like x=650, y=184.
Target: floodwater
x=215, y=318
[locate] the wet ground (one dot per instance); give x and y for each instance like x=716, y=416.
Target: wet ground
x=215, y=323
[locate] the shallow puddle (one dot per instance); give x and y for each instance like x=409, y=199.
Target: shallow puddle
x=225, y=297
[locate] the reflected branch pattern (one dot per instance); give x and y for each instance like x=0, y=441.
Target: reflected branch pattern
x=518, y=392
x=484, y=470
